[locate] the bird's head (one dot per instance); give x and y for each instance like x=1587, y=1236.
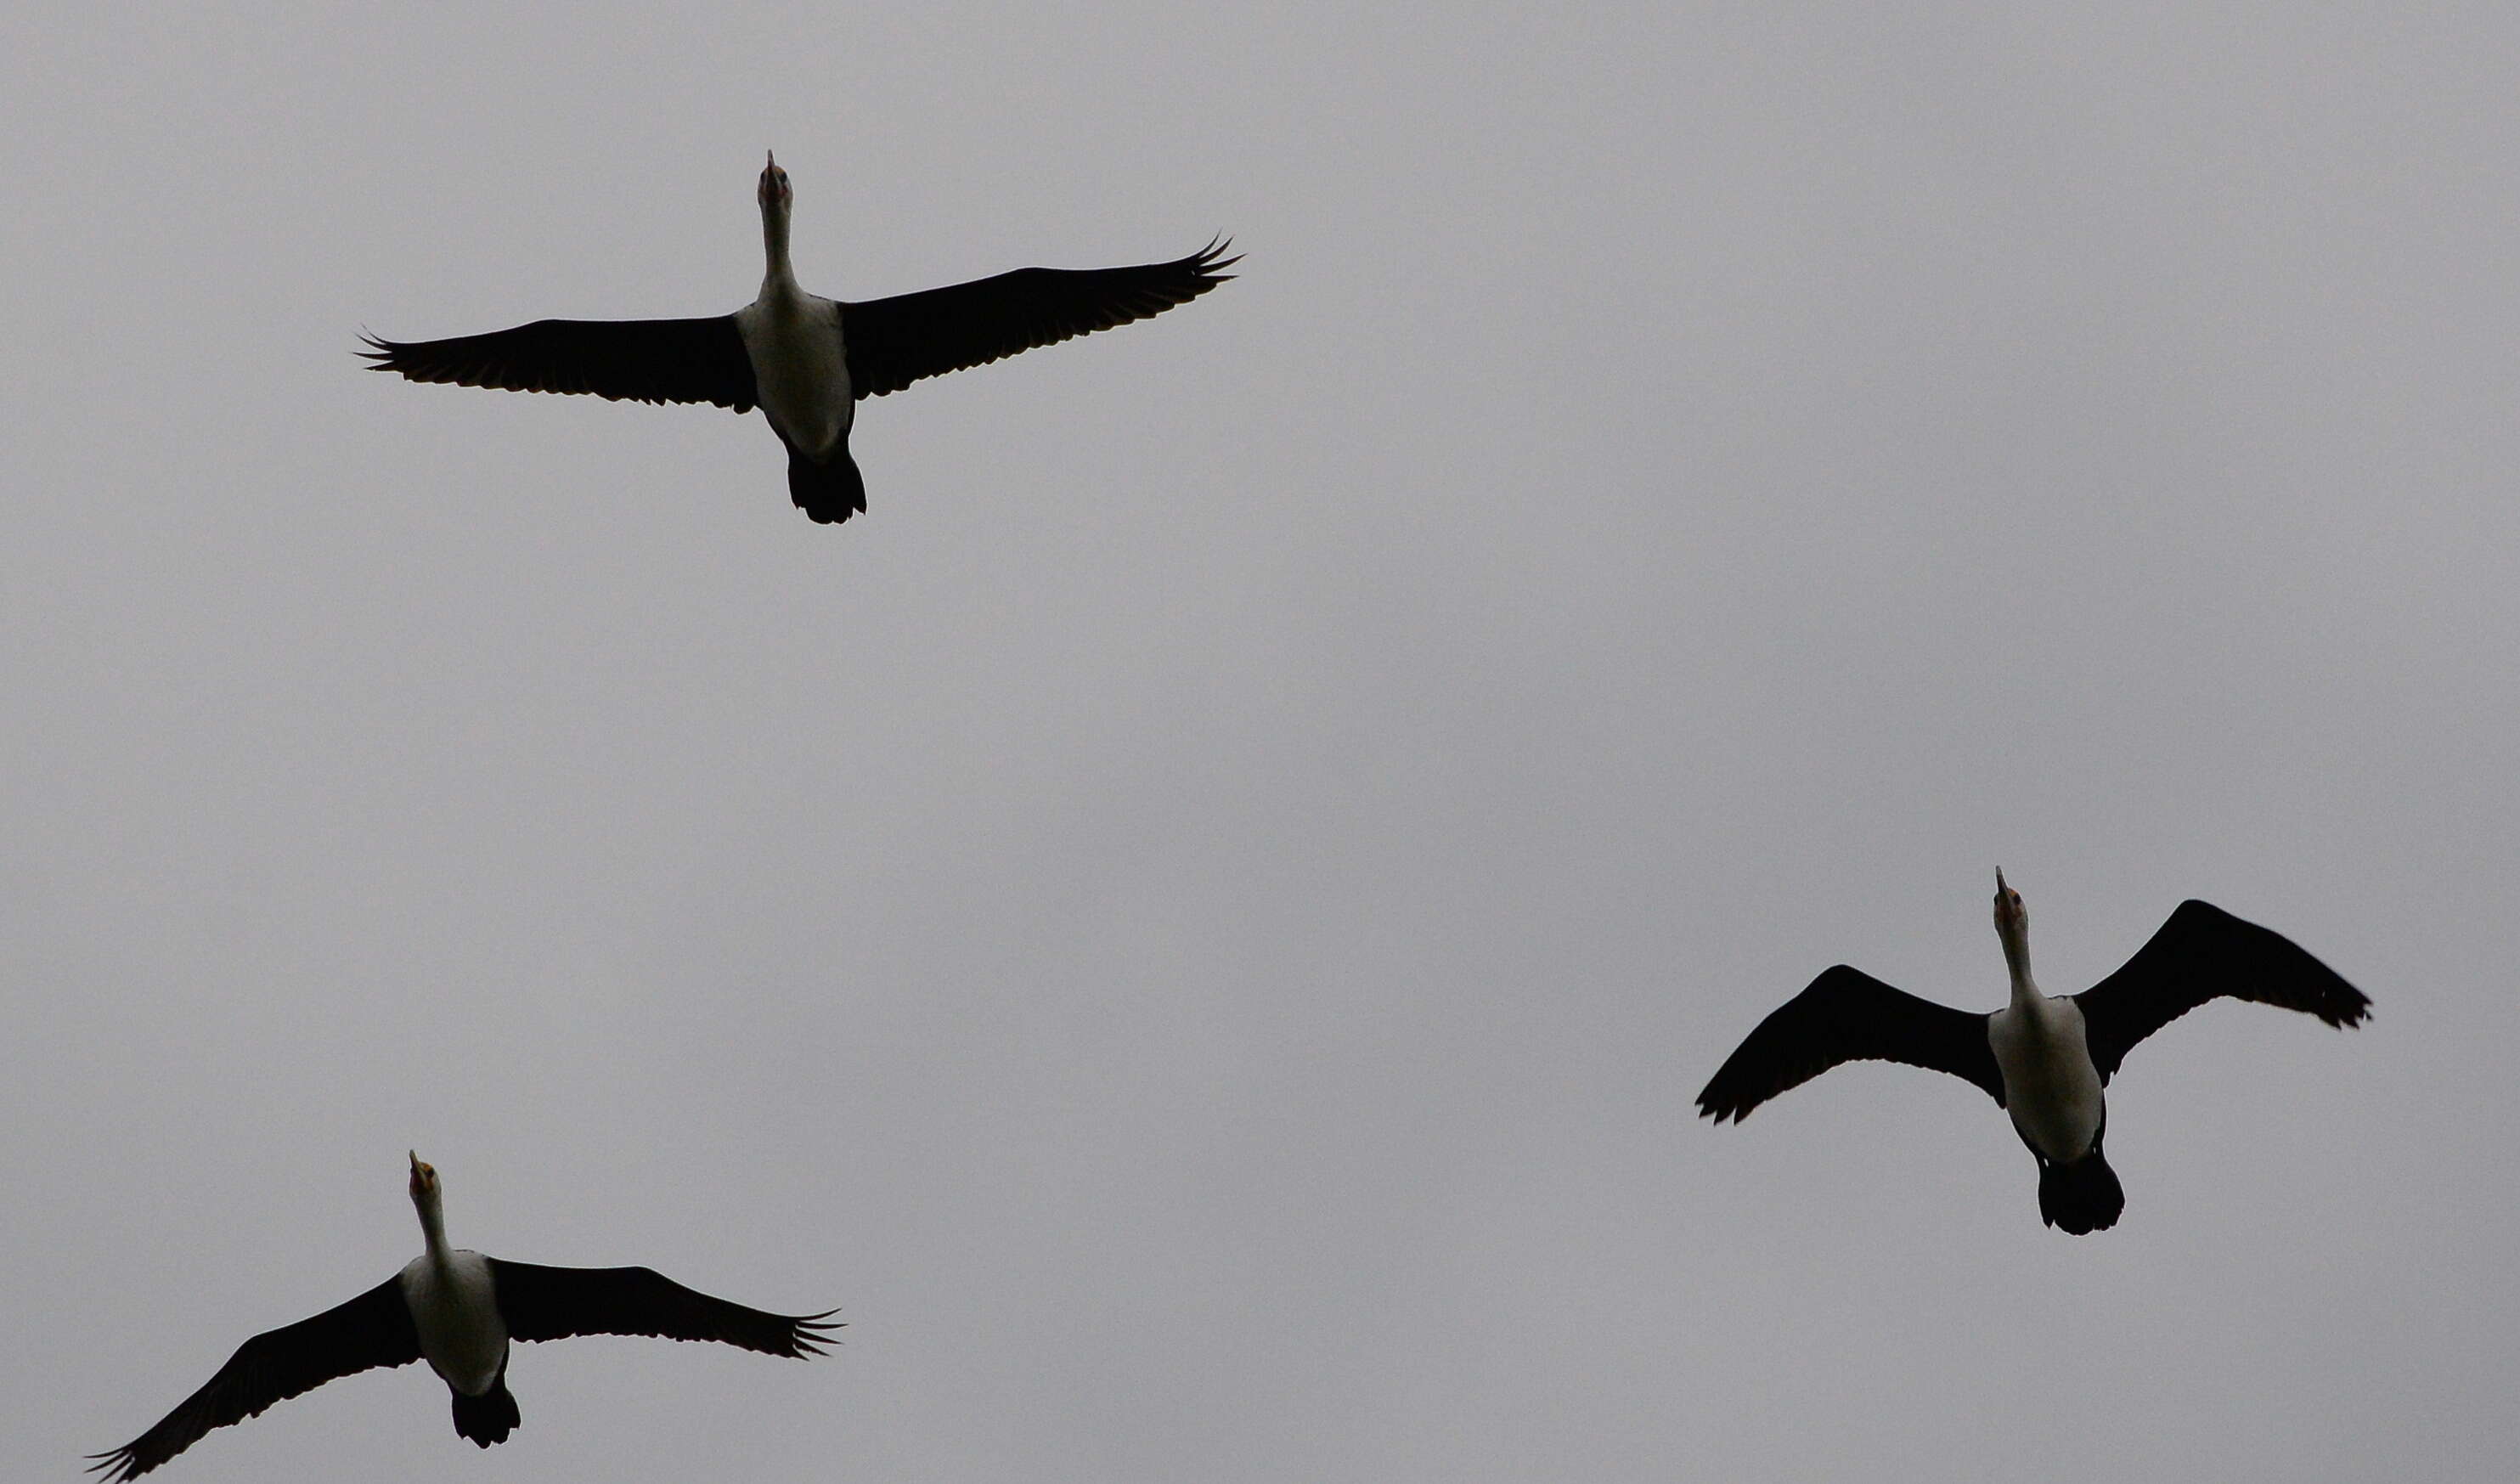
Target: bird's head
x=773, y=191
x=2011, y=919
x=424, y=1178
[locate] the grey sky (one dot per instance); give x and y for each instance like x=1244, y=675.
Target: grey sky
x=1197, y=921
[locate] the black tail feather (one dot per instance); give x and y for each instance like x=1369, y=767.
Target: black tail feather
x=829, y=492
x=2081, y=1197
x=489, y=1417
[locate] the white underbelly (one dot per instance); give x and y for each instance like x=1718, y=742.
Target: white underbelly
x=800, y=372
x=2050, y=1088
x=457, y=1314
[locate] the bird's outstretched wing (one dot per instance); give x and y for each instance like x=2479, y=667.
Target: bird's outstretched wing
x=2200, y=954
x=895, y=341
x=625, y=360
x=542, y=1303
x=1848, y=1015
x=372, y=1330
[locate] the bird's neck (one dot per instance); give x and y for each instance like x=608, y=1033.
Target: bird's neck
x=777, y=277
x=2017, y=963
x=432, y=1228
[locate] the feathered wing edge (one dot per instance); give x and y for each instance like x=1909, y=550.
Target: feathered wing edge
x=2203, y=953
x=370, y=1331
x=543, y=1303
x=891, y=342
x=693, y=360
x=1848, y=1015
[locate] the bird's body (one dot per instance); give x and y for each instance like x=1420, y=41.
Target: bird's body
x=2048, y=1085
x=2050, y=1088
x=801, y=367
x=2046, y=1060
x=806, y=360
x=453, y=1304
x=2053, y=1092
x=459, y=1309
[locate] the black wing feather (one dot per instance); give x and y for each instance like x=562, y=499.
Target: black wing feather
x=542, y=1303
x=372, y=1330
x=895, y=341
x=1848, y=1015
x=2203, y=953
x=625, y=360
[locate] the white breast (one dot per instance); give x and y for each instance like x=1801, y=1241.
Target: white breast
x=799, y=368
x=456, y=1310
x=2049, y=1085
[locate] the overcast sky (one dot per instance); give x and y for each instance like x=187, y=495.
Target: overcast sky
x=1198, y=920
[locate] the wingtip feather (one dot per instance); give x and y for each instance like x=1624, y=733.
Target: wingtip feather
x=812, y=1332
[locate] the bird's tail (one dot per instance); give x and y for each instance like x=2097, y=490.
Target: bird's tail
x=2081, y=1197
x=489, y=1417
x=829, y=492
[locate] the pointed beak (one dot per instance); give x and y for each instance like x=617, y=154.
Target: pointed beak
x=773, y=156
x=415, y=1160
x=1998, y=879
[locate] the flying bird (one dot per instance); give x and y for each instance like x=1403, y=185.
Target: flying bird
x=2042, y=1059
x=456, y=1310
x=802, y=359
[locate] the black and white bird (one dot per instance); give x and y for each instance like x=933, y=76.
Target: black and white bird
x=806, y=360
x=456, y=1310
x=2042, y=1059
